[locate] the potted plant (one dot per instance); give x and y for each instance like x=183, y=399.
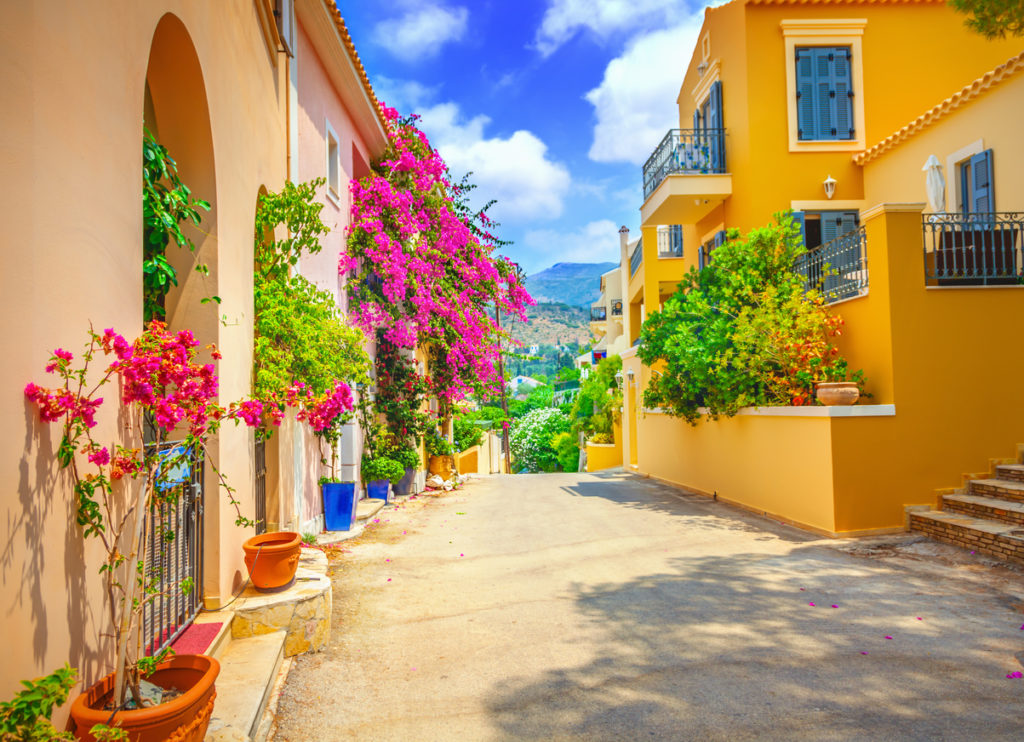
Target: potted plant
x=339, y=503
x=378, y=473
x=162, y=390
x=409, y=458
x=442, y=455
x=833, y=384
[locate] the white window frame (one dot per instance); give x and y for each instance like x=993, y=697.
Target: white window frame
x=333, y=189
x=827, y=32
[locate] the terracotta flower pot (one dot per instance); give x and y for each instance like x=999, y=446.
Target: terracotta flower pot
x=182, y=719
x=272, y=559
x=837, y=392
x=443, y=466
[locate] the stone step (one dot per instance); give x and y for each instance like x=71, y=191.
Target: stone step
x=368, y=507
x=1001, y=540
x=1005, y=511
x=1013, y=472
x=248, y=671
x=1004, y=489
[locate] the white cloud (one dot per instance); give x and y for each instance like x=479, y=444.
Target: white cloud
x=422, y=31
x=405, y=95
x=595, y=242
x=515, y=170
x=635, y=103
x=564, y=18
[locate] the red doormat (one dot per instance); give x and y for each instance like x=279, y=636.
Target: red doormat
x=197, y=638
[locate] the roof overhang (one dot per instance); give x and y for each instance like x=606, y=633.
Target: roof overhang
x=334, y=47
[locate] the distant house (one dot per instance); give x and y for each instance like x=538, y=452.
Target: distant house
x=534, y=350
x=521, y=386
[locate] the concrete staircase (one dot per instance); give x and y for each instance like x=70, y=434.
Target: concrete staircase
x=985, y=516
x=262, y=631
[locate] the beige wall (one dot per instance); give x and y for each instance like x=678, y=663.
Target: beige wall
x=73, y=86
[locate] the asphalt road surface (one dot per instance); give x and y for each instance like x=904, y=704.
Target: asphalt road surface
x=611, y=607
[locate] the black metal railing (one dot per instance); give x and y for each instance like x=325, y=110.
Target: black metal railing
x=670, y=241
x=598, y=314
x=838, y=269
x=174, y=548
x=983, y=249
x=688, y=151
x=636, y=258
x=617, y=308
x=260, y=485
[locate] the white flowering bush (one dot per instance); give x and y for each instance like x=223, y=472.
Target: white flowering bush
x=531, y=439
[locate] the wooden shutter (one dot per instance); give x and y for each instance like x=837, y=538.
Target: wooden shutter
x=848, y=221
x=806, y=122
x=798, y=217
x=823, y=93
x=696, y=120
x=842, y=94
x=717, y=127
x=675, y=239
x=982, y=197
x=831, y=223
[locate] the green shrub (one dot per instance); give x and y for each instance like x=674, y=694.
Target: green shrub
x=437, y=446
x=531, y=439
x=408, y=457
x=742, y=331
x=567, y=451
x=596, y=407
x=27, y=715
x=381, y=467
x=465, y=431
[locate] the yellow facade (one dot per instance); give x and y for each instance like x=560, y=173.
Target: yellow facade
x=942, y=402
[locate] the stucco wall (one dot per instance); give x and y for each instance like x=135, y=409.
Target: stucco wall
x=70, y=192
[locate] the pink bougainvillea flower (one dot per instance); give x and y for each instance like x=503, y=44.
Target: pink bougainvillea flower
x=921, y=619
x=389, y=579
x=1016, y=674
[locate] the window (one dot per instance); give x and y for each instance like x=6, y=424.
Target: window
x=976, y=192
x=819, y=227
x=709, y=130
x=704, y=256
x=333, y=169
x=824, y=93
x=284, y=13
x=824, y=84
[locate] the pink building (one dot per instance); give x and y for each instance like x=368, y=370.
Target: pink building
x=335, y=129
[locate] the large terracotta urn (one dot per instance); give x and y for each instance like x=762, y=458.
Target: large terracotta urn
x=272, y=559
x=182, y=719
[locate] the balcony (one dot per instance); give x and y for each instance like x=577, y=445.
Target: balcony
x=617, y=308
x=598, y=314
x=689, y=164
x=838, y=269
x=974, y=249
x=687, y=151
x=636, y=259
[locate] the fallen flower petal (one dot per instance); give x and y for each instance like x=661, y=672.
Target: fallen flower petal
x=888, y=637
x=811, y=604
x=834, y=605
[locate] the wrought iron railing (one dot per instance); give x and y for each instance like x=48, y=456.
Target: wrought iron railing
x=689, y=151
x=670, y=241
x=636, y=258
x=983, y=249
x=838, y=269
x=260, y=485
x=598, y=314
x=617, y=308
x=174, y=548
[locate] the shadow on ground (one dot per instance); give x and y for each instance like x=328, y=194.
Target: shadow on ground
x=729, y=648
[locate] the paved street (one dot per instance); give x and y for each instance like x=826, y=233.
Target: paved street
x=610, y=607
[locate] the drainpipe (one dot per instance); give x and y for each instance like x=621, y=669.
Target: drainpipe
x=624, y=279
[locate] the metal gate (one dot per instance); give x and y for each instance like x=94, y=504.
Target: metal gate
x=260, y=486
x=174, y=548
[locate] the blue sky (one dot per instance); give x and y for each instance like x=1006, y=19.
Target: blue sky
x=552, y=104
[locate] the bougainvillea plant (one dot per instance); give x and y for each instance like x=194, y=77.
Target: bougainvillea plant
x=162, y=391
x=423, y=266
x=743, y=331
x=401, y=393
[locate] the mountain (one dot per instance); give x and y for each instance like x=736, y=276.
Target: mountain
x=552, y=324
x=578, y=284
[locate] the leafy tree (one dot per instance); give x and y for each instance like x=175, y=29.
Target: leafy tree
x=742, y=331
x=993, y=19
x=596, y=406
x=532, y=439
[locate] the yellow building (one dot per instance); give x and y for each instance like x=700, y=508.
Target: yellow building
x=832, y=109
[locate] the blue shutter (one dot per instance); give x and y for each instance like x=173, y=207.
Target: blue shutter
x=719, y=238
x=982, y=198
x=831, y=223
x=696, y=120
x=798, y=217
x=806, y=123
x=717, y=127
x=848, y=221
x=842, y=88
x=675, y=239
x=823, y=93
